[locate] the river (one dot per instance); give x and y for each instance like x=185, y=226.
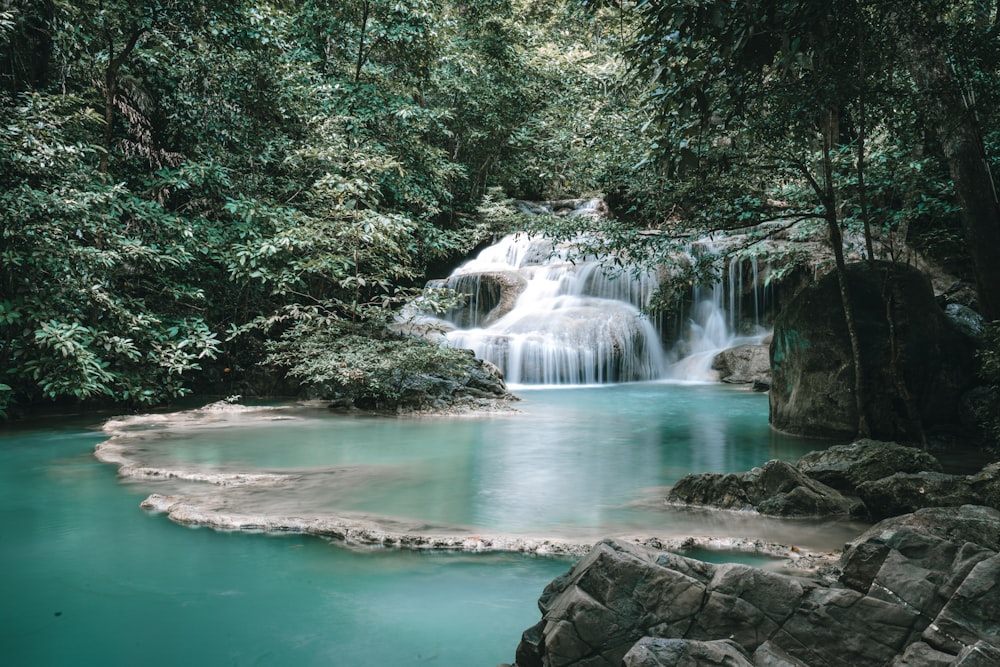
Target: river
x=88, y=578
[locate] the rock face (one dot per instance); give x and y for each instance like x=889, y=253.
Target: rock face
x=744, y=364
x=490, y=295
x=919, y=379
x=777, y=488
x=915, y=590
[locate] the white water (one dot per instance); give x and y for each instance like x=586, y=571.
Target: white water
x=715, y=320
x=547, y=318
x=572, y=322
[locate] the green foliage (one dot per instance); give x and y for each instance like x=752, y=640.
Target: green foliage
x=97, y=304
x=172, y=171
x=367, y=365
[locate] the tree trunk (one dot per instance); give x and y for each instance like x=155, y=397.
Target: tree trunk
x=361, y=43
x=829, y=200
x=862, y=129
x=953, y=117
x=115, y=61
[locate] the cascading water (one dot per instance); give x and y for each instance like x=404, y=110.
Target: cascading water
x=544, y=319
x=711, y=327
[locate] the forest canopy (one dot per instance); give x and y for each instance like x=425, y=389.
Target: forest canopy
x=191, y=191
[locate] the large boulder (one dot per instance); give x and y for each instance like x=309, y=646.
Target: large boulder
x=776, y=488
x=913, y=380
x=844, y=467
x=489, y=296
x=915, y=590
x=904, y=492
x=744, y=364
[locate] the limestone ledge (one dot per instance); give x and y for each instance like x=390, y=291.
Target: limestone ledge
x=360, y=532
x=113, y=453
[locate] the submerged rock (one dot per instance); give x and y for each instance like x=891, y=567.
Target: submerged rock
x=919, y=587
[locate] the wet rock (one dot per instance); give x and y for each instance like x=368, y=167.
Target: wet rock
x=744, y=364
x=965, y=319
x=915, y=590
x=489, y=296
x=844, y=467
x=931, y=362
x=777, y=488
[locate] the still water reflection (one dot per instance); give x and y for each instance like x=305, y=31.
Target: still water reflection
x=575, y=464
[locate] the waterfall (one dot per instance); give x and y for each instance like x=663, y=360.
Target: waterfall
x=716, y=320
x=547, y=317
x=544, y=319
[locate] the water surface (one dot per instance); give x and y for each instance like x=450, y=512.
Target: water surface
x=87, y=578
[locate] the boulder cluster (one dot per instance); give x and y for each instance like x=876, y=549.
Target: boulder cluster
x=867, y=480
x=921, y=589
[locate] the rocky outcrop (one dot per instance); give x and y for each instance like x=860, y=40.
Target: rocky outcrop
x=865, y=479
x=911, y=384
x=844, y=467
x=915, y=590
x=489, y=296
x=776, y=488
x=478, y=384
x=905, y=492
x=744, y=364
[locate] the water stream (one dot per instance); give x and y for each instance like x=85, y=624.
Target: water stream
x=89, y=579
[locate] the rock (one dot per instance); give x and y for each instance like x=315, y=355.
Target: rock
x=812, y=390
x=655, y=652
x=965, y=319
x=744, y=364
x=915, y=590
x=986, y=485
x=944, y=563
x=777, y=488
x=901, y=493
x=476, y=384
x=920, y=654
x=907, y=492
x=490, y=296
x=844, y=467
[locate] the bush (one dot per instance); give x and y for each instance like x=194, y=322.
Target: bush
x=372, y=367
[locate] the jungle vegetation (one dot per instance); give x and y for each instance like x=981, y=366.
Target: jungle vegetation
x=193, y=193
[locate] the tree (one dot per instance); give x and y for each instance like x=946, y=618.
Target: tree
x=764, y=103
x=956, y=92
